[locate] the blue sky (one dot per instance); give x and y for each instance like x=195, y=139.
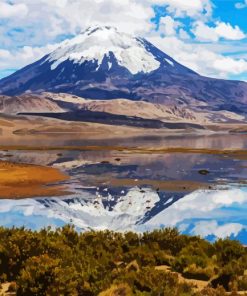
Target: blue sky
x=209, y=36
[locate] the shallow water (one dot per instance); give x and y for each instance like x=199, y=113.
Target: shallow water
x=219, y=141
x=124, y=190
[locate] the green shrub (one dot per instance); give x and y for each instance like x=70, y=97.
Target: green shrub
x=65, y=262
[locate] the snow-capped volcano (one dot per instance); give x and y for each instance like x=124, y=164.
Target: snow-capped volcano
x=103, y=63
x=98, y=44
x=99, y=63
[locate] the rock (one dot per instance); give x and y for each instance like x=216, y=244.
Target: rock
x=203, y=172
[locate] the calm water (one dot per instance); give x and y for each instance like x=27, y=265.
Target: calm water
x=121, y=190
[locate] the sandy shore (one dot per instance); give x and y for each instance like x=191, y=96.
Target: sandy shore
x=24, y=180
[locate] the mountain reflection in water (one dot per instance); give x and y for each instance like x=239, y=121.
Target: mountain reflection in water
x=121, y=190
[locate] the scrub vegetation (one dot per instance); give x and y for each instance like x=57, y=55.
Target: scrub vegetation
x=162, y=262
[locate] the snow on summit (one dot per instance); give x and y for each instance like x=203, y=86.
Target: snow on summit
x=96, y=43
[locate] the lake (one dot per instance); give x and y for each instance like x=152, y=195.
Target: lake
x=139, y=184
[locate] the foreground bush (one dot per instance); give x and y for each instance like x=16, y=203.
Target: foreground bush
x=65, y=262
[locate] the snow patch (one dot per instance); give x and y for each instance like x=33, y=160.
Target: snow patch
x=109, y=65
x=169, y=62
x=97, y=43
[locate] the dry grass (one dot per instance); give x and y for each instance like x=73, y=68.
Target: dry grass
x=4, y=290
x=117, y=290
x=197, y=284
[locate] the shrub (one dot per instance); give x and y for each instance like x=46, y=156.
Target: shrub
x=242, y=283
x=65, y=262
x=208, y=291
x=118, y=290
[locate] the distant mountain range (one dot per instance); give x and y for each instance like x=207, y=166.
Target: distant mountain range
x=124, y=75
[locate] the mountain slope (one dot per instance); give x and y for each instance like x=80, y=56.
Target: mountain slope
x=99, y=63
x=102, y=63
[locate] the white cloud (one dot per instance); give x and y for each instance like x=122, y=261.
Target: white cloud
x=206, y=228
x=4, y=54
x=23, y=56
x=204, y=32
x=8, y=11
x=199, y=58
x=183, y=34
x=69, y=16
x=229, y=65
x=191, y=8
x=241, y=5
x=223, y=30
x=168, y=26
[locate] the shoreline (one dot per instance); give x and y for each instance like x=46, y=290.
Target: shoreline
x=133, y=149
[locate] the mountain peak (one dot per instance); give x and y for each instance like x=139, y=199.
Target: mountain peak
x=98, y=28
x=100, y=42
x=103, y=62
